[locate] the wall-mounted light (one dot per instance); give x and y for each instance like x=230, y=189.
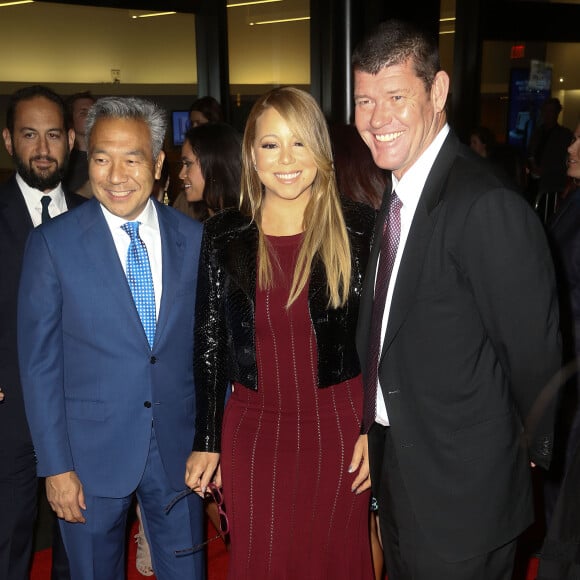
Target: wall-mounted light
x=561, y=79
x=280, y=20
x=4, y=4
x=238, y=4
x=152, y=14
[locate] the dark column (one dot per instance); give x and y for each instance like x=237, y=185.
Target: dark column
x=464, y=105
x=211, y=42
x=336, y=26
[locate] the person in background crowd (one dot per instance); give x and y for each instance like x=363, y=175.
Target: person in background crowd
x=77, y=176
x=503, y=157
x=276, y=314
x=547, y=152
x=39, y=140
x=211, y=166
x=458, y=328
x=357, y=175
x=205, y=110
x=559, y=554
x=105, y=343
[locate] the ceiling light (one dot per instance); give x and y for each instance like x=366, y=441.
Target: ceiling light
x=237, y=4
x=151, y=14
x=278, y=21
x=15, y=3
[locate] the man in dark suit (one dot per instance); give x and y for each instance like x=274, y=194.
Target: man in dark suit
x=39, y=141
x=105, y=340
x=467, y=335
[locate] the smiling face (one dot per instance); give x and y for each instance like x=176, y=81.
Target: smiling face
x=574, y=155
x=122, y=170
x=191, y=174
x=40, y=144
x=285, y=166
x=396, y=115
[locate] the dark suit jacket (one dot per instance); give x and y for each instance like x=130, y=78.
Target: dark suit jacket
x=15, y=225
x=472, y=340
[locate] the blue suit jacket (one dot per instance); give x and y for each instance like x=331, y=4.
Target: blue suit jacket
x=92, y=385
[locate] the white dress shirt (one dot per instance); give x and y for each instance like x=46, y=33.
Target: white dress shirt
x=409, y=191
x=150, y=234
x=33, y=196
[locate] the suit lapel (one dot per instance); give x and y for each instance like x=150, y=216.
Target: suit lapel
x=173, y=255
x=422, y=226
x=103, y=256
x=368, y=289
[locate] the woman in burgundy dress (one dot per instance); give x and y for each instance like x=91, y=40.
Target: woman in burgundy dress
x=278, y=298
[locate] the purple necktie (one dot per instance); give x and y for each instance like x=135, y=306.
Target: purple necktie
x=389, y=245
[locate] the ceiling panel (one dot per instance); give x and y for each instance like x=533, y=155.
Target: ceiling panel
x=187, y=6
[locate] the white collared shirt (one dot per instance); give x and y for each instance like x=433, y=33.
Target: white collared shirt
x=409, y=191
x=150, y=233
x=33, y=196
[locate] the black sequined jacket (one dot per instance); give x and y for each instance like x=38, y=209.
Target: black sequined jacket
x=224, y=329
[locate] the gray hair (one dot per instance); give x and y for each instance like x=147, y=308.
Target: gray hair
x=131, y=108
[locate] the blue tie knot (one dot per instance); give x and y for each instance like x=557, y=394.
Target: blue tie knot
x=132, y=229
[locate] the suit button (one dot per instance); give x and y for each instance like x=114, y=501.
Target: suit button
x=153, y=360
x=147, y=404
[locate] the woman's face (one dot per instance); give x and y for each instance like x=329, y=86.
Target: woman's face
x=574, y=155
x=190, y=174
x=285, y=166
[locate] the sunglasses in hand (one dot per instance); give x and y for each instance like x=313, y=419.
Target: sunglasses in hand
x=213, y=493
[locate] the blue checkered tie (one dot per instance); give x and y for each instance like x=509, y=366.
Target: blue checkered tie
x=140, y=280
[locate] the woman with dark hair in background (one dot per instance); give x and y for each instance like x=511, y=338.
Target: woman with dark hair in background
x=358, y=177
x=205, y=110
x=211, y=166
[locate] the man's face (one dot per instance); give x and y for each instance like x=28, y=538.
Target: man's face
x=79, y=114
x=396, y=116
x=122, y=170
x=40, y=144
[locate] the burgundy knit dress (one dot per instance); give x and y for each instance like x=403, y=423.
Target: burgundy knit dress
x=286, y=450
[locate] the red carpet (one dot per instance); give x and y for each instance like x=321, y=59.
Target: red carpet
x=217, y=561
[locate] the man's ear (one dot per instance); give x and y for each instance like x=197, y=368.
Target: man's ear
x=7, y=141
x=440, y=90
x=71, y=139
x=159, y=164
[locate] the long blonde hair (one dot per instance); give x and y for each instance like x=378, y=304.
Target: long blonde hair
x=325, y=232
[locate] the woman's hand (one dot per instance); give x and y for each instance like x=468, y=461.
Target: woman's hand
x=360, y=462
x=200, y=469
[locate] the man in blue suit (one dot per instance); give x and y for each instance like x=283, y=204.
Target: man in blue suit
x=108, y=385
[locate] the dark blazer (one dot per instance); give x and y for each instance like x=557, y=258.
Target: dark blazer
x=15, y=225
x=224, y=336
x=472, y=340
